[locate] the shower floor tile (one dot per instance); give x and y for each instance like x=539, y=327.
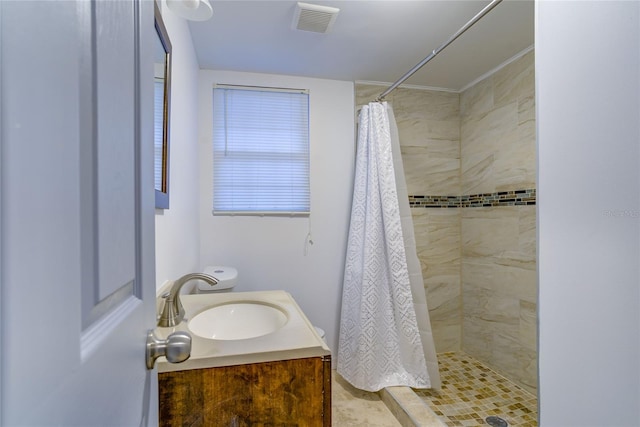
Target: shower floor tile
x=471, y=392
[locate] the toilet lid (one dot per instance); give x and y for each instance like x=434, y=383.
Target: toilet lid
x=222, y=273
x=226, y=276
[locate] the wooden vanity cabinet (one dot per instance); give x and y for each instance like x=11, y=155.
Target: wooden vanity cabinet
x=282, y=393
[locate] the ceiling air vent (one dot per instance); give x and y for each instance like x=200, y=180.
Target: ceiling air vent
x=312, y=17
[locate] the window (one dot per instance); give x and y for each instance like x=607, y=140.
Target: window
x=260, y=151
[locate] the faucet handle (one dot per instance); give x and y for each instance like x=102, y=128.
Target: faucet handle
x=172, y=313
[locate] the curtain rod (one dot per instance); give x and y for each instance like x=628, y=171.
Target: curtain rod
x=464, y=28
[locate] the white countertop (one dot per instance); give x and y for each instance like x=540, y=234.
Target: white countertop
x=296, y=339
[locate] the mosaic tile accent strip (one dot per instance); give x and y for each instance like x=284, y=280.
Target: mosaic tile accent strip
x=500, y=198
x=471, y=392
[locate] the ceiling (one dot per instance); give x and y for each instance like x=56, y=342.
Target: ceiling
x=376, y=41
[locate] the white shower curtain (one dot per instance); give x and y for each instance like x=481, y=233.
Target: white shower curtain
x=379, y=343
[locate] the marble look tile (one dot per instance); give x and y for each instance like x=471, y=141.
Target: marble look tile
x=529, y=325
x=489, y=231
x=476, y=340
x=477, y=100
x=499, y=283
x=427, y=175
x=423, y=131
x=511, y=281
x=439, y=261
x=496, y=311
x=447, y=337
x=477, y=173
x=434, y=105
x=498, y=330
x=482, y=133
x=497, y=136
x=409, y=409
x=515, y=361
x=438, y=230
x=438, y=244
x=526, y=109
x=527, y=135
x=438, y=218
x=353, y=407
x=527, y=236
x=515, y=166
x=514, y=81
x=441, y=290
x=367, y=93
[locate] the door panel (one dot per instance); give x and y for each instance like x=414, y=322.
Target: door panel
x=114, y=61
x=77, y=249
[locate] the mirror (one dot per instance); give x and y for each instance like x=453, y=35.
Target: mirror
x=162, y=96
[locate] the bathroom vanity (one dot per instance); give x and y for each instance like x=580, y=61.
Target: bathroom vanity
x=282, y=377
x=283, y=393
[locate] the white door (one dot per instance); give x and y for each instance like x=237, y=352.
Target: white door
x=76, y=212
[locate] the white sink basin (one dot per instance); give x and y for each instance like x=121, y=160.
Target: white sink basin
x=238, y=321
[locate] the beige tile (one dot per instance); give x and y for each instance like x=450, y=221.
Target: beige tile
x=497, y=312
x=511, y=281
x=477, y=340
x=420, y=131
x=519, y=364
x=489, y=231
x=528, y=325
x=527, y=238
x=427, y=175
x=472, y=391
x=367, y=93
x=477, y=174
x=447, y=337
x=514, y=81
x=481, y=133
x=436, y=105
x=515, y=166
x=353, y=407
x=500, y=331
x=410, y=409
x=437, y=148
x=526, y=109
x=477, y=100
x=441, y=290
x=497, y=134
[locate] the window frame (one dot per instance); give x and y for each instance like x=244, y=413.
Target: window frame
x=306, y=211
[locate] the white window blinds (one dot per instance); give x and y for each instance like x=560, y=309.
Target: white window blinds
x=260, y=151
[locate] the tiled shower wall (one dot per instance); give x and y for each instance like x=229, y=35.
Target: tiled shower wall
x=470, y=167
x=429, y=128
x=499, y=280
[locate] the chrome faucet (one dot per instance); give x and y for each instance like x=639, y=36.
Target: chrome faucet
x=173, y=312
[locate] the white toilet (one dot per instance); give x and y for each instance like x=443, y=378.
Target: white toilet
x=227, y=279
x=320, y=332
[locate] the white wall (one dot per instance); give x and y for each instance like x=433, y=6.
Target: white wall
x=268, y=251
x=177, y=241
x=588, y=100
